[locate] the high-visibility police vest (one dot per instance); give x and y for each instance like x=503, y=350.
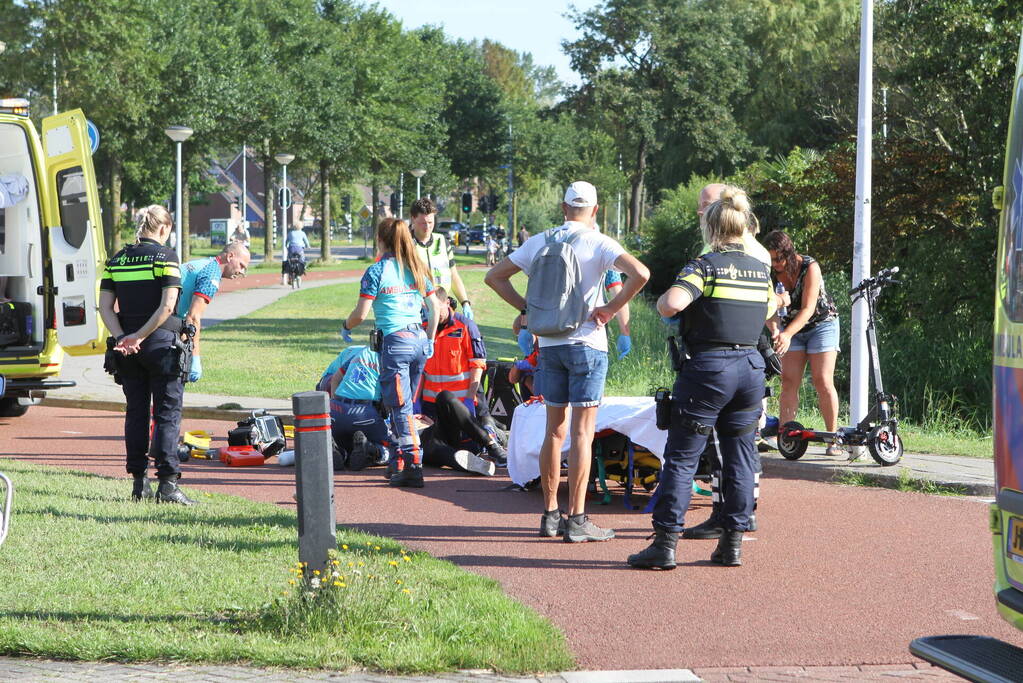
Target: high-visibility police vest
x=731, y=291
x=452, y=363
x=437, y=260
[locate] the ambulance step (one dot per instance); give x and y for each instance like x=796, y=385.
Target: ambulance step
x=975, y=658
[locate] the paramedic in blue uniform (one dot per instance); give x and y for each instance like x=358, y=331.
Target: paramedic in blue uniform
x=200, y=281
x=353, y=382
x=725, y=294
x=143, y=280
x=396, y=287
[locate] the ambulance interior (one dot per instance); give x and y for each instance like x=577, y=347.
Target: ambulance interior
x=21, y=248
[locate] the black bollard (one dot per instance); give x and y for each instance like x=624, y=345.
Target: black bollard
x=314, y=479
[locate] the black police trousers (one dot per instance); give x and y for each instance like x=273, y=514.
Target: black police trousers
x=721, y=389
x=152, y=386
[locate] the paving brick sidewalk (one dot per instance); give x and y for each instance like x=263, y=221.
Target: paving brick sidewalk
x=12, y=669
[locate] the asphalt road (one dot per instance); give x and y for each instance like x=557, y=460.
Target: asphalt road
x=836, y=575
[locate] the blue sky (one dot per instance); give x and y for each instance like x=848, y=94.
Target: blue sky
x=534, y=26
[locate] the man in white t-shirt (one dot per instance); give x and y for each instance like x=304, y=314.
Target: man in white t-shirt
x=574, y=365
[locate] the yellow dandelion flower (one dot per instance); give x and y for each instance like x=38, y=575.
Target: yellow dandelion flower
x=338, y=583
x=368, y=544
x=398, y=582
x=316, y=572
x=344, y=546
x=406, y=590
x=376, y=547
x=335, y=563
x=291, y=581
x=351, y=564
x=343, y=584
x=406, y=558
x=362, y=564
x=393, y=563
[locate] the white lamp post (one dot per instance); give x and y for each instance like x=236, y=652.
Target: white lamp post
x=283, y=158
x=178, y=134
x=418, y=173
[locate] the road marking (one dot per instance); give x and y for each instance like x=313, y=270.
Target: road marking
x=64, y=431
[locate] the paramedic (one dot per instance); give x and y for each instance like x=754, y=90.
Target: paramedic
x=726, y=294
x=436, y=254
x=352, y=381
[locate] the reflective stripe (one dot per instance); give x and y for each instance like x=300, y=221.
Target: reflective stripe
x=446, y=378
x=457, y=393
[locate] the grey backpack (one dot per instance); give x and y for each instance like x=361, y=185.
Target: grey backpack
x=555, y=302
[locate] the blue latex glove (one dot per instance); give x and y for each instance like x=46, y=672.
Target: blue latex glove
x=669, y=321
x=346, y=334
x=429, y=349
x=195, y=372
x=525, y=341
x=624, y=345
x=467, y=310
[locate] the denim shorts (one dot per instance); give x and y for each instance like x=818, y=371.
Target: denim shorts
x=819, y=339
x=573, y=374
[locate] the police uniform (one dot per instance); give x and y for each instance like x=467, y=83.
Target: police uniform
x=721, y=386
x=151, y=378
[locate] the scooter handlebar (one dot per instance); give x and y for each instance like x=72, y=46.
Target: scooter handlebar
x=884, y=277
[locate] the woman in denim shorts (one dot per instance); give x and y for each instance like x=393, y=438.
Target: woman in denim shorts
x=809, y=332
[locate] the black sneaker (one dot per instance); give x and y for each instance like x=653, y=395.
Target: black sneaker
x=411, y=477
x=552, y=524
x=359, y=457
x=497, y=454
x=473, y=463
x=580, y=529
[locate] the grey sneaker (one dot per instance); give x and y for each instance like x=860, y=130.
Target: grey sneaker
x=552, y=524
x=474, y=463
x=580, y=529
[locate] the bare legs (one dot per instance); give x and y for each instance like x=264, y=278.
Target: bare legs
x=579, y=456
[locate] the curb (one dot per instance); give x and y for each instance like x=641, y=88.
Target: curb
x=887, y=477
x=190, y=412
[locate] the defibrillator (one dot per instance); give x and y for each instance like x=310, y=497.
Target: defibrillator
x=51, y=252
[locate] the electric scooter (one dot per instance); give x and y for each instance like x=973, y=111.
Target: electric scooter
x=878, y=430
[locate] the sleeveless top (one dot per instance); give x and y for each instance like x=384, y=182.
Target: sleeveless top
x=824, y=310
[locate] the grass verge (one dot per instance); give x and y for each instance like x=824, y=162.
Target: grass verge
x=91, y=576
x=905, y=482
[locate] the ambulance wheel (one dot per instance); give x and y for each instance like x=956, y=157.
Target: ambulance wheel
x=791, y=448
x=885, y=446
x=9, y=407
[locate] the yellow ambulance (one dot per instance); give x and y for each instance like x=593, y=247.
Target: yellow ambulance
x=51, y=252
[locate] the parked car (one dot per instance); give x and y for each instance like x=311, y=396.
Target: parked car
x=447, y=226
x=476, y=234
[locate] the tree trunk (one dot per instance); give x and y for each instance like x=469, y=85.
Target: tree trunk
x=186, y=251
x=636, y=182
x=269, y=208
x=325, y=212
x=115, y=207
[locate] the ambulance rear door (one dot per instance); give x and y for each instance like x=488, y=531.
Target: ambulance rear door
x=76, y=247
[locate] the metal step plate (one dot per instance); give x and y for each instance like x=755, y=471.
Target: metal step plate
x=976, y=658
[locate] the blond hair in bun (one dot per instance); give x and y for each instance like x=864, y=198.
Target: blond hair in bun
x=150, y=220
x=725, y=220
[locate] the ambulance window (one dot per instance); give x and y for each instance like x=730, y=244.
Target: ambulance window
x=74, y=205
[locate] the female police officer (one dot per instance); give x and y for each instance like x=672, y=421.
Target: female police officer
x=144, y=280
x=396, y=287
x=726, y=292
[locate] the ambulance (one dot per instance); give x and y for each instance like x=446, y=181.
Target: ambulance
x=51, y=252
x=980, y=658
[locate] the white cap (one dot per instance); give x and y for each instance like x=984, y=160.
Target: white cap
x=581, y=193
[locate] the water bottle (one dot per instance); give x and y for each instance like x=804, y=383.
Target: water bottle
x=779, y=289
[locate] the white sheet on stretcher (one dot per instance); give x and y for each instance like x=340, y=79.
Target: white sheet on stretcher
x=633, y=416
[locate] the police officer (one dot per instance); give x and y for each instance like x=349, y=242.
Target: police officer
x=726, y=292
x=144, y=280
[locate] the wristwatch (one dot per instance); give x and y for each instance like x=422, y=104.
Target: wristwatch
x=344, y=324
x=466, y=302
x=523, y=311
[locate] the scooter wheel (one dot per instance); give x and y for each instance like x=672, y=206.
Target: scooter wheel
x=885, y=446
x=791, y=448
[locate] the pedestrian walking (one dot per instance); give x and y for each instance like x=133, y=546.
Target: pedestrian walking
x=143, y=282
x=396, y=287
x=725, y=294
x=573, y=362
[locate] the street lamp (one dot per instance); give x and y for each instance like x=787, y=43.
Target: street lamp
x=418, y=173
x=178, y=134
x=283, y=158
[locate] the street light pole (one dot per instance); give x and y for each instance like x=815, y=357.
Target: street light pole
x=418, y=173
x=283, y=158
x=245, y=191
x=178, y=134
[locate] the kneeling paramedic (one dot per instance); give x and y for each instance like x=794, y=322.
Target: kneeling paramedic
x=725, y=293
x=353, y=382
x=146, y=353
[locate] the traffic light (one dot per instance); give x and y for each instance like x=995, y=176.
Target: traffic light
x=346, y=204
x=492, y=203
x=466, y=202
x=485, y=204
x=240, y=203
x=394, y=203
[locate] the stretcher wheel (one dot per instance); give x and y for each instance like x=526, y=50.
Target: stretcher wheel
x=885, y=446
x=791, y=448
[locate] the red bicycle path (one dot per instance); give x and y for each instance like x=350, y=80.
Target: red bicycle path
x=836, y=575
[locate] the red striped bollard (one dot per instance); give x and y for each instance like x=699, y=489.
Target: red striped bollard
x=314, y=479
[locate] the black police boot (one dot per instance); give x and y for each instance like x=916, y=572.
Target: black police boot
x=411, y=477
x=168, y=491
x=729, y=550
x=712, y=528
x=660, y=554
x=359, y=457
x=141, y=489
